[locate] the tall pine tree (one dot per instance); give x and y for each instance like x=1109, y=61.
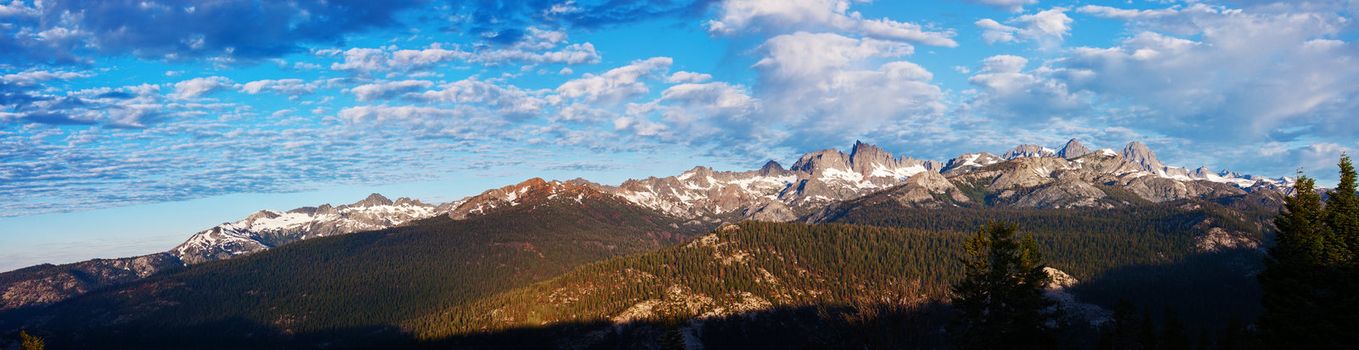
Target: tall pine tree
x=1000, y=300
x=1342, y=207
x=1342, y=271
x=1310, y=284
x=1293, y=269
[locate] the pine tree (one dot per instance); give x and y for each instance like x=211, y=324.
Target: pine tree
x=1342, y=272
x=1000, y=299
x=1292, y=268
x=1309, y=282
x=1342, y=207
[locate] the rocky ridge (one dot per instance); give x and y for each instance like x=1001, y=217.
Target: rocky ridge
x=816, y=185
x=266, y=228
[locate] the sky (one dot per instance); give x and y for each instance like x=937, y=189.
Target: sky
x=125, y=126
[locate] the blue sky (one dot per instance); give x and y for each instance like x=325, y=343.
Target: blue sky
x=127, y=125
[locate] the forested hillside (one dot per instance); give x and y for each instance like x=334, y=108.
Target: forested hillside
x=352, y=290
x=1194, y=256
x=758, y=274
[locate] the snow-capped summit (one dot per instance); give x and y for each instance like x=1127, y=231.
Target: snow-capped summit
x=774, y=193
x=970, y=161
x=1029, y=151
x=267, y=228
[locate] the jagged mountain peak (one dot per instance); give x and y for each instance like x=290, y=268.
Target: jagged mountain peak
x=373, y=200
x=404, y=201
x=1202, y=172
x=1138, y=153
x=1029, y=151
x=827, y=158
x=868, y=151
x=1073, y=149
x=262, y=214
x=698, y=171
x=267, y=228
x=968, y=161
x=772, y=168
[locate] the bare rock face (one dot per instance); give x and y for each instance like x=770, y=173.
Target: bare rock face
x=817, y=179
x=926, y=188
x=705, y=193
x=1219, y=239
x=968, y=162
x=1029, y=151
x=373, y=200
x=46, y=284
x=771, y=211
x=1065, y=194
x=1202, y=173
x=772, y=168
x=1027, y=172
x=1138, y=153
x=1073, y=149
x=1059, y=282
x=1160, y=189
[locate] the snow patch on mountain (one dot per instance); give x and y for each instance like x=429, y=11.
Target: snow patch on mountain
x=267, y=228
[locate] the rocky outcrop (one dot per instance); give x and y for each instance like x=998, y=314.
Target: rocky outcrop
x=928, y=188
x=1029, y=151
x=1138, y=153
x=968, y=162
x=1065, y=194
x=46, y=284
x=772, y=192
x=1073, y=149
x=1073, y=310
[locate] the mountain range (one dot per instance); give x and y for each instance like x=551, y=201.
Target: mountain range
x=814, y=187
x=491, y=248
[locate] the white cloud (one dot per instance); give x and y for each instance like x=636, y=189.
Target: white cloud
x=1248, y=74
x=698, y=112
x=290, y=87
x=509, y=101
x=196, y=87
x=360, y=114
x=688, y=77
x=33, y=77
x=1007, y=90
x=1125, y=14
x=828, y=85
x=1010, y=5
x=361, y=59
x=390, y=89
x=802, y=55
x=994, y=32
x=786, y=16
x=1048, y=28
x=618, y=84
x=537, y=47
